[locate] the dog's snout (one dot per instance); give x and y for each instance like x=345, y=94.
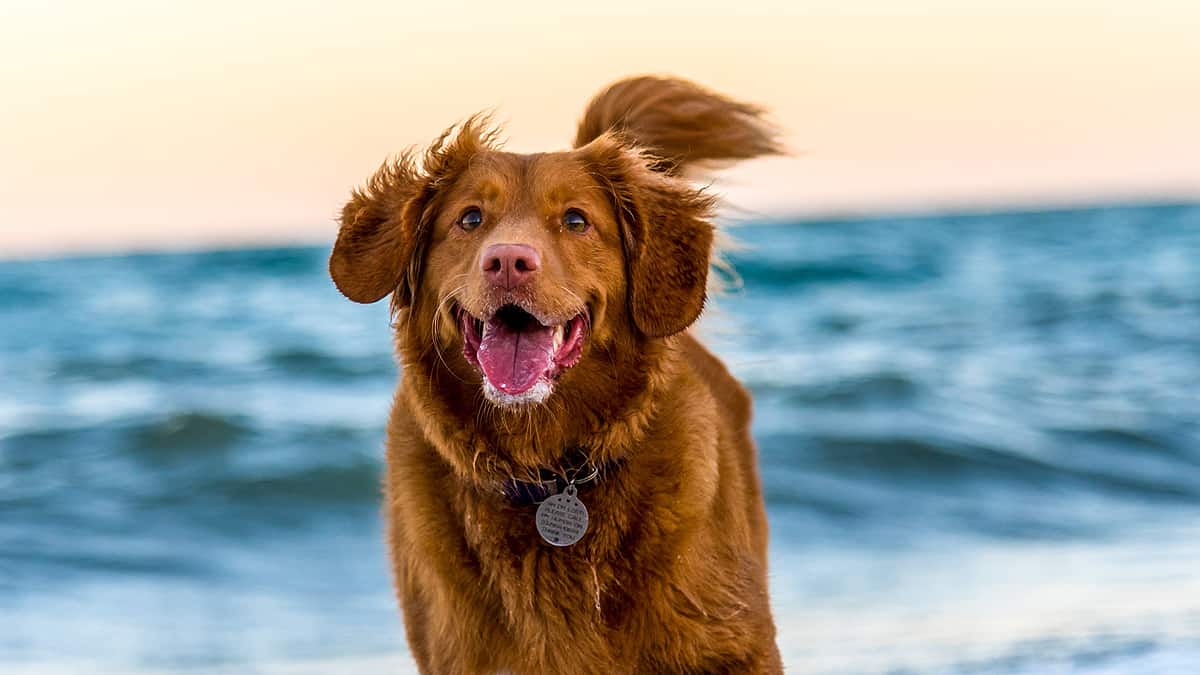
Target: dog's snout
x=510, y=265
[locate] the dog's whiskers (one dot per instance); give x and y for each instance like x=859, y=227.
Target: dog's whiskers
x=435, y=327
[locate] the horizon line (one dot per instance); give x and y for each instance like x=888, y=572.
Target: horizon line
x=831, y=215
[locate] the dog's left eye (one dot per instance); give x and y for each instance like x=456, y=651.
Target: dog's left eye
x=470, y=220
x=574, y=221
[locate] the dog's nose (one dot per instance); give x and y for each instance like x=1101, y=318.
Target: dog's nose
x=509, y=265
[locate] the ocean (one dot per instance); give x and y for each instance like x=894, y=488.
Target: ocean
x=979, y=438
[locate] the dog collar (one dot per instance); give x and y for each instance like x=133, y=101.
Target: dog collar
x=575, y=468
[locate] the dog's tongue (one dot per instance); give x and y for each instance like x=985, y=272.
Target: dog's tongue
x=513, y=359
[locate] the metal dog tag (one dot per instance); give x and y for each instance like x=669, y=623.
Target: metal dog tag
x=562, y=519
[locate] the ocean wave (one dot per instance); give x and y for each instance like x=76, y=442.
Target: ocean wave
x=1138, y=443
x=196, y=457
x=847, y=390
x=944, y=465
x=105, y=369
x=186, y=432
x=306, y=362
x=352, y=480
x=181, y=431
x=777, y=276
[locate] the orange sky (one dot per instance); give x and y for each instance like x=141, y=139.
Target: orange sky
x=167, y=124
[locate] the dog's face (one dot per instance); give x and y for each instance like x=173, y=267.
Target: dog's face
x=517, y=269
x=525, y=254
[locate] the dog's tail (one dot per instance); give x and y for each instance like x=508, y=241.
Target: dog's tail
x=683, y=124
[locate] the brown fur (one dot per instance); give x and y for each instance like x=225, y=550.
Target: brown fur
x=679, y=122
x=671, y=574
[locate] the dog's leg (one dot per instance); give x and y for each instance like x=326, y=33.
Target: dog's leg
x=767, y=663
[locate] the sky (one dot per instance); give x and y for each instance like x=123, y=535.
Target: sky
x=149, y=125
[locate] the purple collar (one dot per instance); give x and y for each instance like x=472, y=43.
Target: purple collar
x=575, y=467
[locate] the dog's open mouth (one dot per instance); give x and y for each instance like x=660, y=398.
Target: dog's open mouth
x=516, y=352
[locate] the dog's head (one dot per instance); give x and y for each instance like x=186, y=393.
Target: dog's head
x=516, y=269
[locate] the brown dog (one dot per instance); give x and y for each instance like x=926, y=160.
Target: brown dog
x=541, y=307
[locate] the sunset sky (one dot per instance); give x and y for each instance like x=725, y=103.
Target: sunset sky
x=163, y=124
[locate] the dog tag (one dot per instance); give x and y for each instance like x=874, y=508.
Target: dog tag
x=562, y=518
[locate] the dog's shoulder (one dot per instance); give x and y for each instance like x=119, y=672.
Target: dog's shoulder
x=731, y=397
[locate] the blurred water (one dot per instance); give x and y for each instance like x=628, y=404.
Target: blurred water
x=979, y=435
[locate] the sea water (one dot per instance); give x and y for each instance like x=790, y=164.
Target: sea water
x=979, y=439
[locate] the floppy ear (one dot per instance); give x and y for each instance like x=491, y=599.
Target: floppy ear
x=385, y=225
x=667, y=236
x=379, y=234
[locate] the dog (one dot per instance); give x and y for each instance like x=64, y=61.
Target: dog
x=571, y=485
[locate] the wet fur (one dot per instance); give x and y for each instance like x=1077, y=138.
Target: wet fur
x=671, y=575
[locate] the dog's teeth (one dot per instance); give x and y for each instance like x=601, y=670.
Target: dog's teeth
x=558, y=337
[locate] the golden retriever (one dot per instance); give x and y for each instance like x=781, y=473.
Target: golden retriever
x=571, y=483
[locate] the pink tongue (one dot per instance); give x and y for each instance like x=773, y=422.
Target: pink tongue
x=513, y=360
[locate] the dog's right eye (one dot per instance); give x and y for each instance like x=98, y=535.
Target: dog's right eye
x=470, y=220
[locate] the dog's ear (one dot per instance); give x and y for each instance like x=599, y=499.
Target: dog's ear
x=666, y=233
x=385, y=226
x=379, y=234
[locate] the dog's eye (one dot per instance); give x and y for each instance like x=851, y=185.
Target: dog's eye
x=470, y=220
x=574, y=221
